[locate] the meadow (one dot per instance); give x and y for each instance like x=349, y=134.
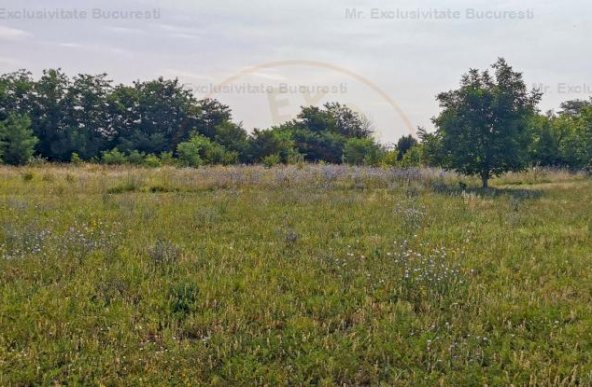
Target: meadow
x=310, y=274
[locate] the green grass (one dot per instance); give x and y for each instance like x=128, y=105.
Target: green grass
x=317, y=274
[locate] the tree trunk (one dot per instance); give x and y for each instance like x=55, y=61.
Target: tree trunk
x=485, y=181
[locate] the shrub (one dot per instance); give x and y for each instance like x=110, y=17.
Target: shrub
x=75, y=158
x=136, y=158
x=389, y=158
x=164, y=252
x=271, y=160
x=17, y=142
x=113, y=157
x=264, y=143
x=152, y=161
x=362, y=151
x=189, y=154
x=183, y=299
x=166, y=158
x=200, y=150
x=413, y=157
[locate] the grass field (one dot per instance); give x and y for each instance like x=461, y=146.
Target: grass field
x=293, y=275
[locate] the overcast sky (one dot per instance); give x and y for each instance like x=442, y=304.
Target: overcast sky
x=387, y=59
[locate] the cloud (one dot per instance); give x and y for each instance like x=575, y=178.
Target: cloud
x=7, y=33
x=125, y=30
x=205, y=42
x=91, y=47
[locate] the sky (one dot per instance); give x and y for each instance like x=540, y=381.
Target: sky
x=386, y=59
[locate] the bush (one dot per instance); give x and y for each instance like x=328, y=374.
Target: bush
x=362, y=151
x=230, y=158
x=136, y=158
x=166, y=158
x=200, y=150
x=413, y=157
x=17, y=142
x=183, y=299
x=271, y=143
x=75, y=158
x=152, y=161
x=271, y=160
x=389, y=158
x=113, y=157
x=189, y=154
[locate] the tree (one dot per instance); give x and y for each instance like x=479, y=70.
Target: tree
x=413, y=158
x=232, y=136
x=320, y=133
x=362, y=151
x=432, y=150
x=264, y=143
x=15, y=93
x=17, y=142
x=154, y=116
x=577, y=146
x=212, y=114
x=404, y=144
x=48, y=114
x=324, y=146
x=347, y=122
x=574, y=107
x=87, y=122
x=483, y=125
x=545, y=140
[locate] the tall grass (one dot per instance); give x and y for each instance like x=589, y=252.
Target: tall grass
x=293, y=275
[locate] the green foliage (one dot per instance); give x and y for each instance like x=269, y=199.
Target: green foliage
x=154, y=116
x=271, y=143
x=215, y=120
x=432, y=148
x=135, y=157
x=404, y=144
x=271, y=160
x=488, y=126
x=414, y=157
x=183, y=299
x=189, y=153
x=323, y=146
x=113, y=157
x=75, y=158
x=320, y=134
x=17, y=142
x=544, y=145
x=232, y=137
x=362, y=151
x=167, y=158
x=152, y=161
x=389, y=158
x=564, y=139
x=200, y=150
x=483, y=125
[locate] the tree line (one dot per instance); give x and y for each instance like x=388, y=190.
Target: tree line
x=88, y=118
x=489, y=125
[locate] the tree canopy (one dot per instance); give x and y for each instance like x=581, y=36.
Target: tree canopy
x=484, y=124
x=487, y=126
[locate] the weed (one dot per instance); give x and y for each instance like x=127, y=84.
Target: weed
x=164, y=252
